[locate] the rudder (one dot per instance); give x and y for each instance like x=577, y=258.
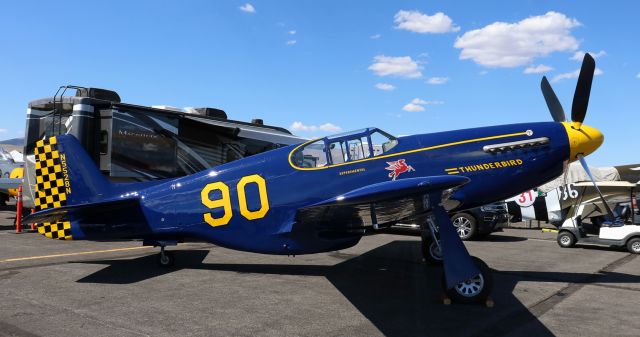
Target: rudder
x=65, y=175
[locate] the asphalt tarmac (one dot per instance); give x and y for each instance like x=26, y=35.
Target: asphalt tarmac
x=379, y=287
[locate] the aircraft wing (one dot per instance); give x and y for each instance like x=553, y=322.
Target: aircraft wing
x=8, y=183
x=377, y=204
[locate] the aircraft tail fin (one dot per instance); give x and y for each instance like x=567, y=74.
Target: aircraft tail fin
x=65, y=175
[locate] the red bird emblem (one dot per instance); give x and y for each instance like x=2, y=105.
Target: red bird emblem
x=397, y=168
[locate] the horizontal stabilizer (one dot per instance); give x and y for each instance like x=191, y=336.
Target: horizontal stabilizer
x=96, y=212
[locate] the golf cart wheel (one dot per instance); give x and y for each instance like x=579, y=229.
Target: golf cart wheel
x=634, y=246
x=475, y=289
x=566, y=239
x=166, y=260
x=430, y=251
x=465, y=225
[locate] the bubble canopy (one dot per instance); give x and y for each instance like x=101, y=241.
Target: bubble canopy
x=342, y=148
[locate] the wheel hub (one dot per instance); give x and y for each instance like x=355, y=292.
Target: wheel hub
x=164, y=259
x=471, y=287
x=462, y=225
x=636, y=246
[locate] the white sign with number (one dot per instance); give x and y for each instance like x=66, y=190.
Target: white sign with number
x=568, y=191
x=527, y=198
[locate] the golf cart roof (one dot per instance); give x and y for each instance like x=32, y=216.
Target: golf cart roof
x=607, y=184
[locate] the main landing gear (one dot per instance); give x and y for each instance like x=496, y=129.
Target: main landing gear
x=431, y=250
x=474, y=289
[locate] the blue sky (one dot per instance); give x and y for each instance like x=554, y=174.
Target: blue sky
x=317, y=67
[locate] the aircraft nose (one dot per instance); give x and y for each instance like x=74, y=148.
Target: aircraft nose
x=583, y=141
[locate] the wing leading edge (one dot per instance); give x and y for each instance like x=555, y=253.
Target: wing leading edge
x=395, y=189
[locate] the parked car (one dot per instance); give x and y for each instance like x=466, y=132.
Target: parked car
x=480, y=221
x=475, y=222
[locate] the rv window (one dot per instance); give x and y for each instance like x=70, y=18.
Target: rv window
x=138, y=148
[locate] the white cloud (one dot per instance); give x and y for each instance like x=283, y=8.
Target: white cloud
x=3, y=130
x=413, y=107
x=402, y=66
x=385, y=86
x=540, y=68
x=327, y=127
x=247, y=8
x=638, y=76
x=438, y=80
x=291, y=42
x=375, y=36
x=417, y=105
x=502, y=44
x=483, y=72
x=330, y=127
x=292, y=32
x=417, y=22
x=579, y=55
x=574, y=74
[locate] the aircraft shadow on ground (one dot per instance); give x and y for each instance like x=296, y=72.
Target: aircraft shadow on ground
x=389, y=285
x=502, y=238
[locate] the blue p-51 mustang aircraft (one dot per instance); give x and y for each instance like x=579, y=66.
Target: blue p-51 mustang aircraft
x=322, y=195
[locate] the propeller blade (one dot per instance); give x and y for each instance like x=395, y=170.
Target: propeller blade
x=586, y=168
x=552, y=101
x=583, y=90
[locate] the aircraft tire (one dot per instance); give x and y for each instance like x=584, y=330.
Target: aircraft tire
x=633, y=246
x=566, y=239
x=167, y=260
x=430, y=252
x=474, y=290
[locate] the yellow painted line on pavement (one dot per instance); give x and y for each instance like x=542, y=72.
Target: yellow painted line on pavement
x=74, y=254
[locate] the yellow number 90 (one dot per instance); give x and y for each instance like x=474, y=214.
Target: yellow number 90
x=225, y=201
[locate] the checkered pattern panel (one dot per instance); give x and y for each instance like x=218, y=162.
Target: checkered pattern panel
x=57, y=230
x=50, y=189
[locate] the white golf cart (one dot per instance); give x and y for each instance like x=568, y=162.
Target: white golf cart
x=623, y=231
